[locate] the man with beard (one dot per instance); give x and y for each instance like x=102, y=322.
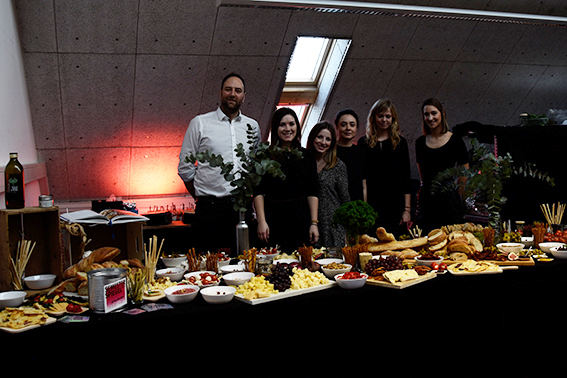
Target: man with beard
x=218, y=132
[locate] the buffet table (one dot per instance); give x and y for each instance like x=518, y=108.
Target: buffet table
x=498, y=304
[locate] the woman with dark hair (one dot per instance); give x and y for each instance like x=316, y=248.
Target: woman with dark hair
x=437, y=150
x=387, y=168
x=346, y=123
x=333, y=183
x=286, y=209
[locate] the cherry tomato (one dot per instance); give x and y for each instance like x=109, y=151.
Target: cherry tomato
x=442, y=267
x=434, y=266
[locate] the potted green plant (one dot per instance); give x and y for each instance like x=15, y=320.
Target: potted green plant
x=357, y=217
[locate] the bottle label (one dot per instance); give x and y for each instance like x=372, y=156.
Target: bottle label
x=13, y=184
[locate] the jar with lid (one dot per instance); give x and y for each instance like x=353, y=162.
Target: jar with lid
x=14, y=183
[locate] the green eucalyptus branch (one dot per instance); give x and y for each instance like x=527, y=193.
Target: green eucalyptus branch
x=256, y=162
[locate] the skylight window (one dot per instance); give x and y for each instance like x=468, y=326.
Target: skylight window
x=307, y=60
x=312, y=71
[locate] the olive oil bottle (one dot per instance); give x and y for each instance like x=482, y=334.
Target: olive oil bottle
x=14, y=183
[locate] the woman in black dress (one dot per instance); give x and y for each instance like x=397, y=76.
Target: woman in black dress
x=387, y=168
x=346, y=123
x=437, y=150
x=286, y=209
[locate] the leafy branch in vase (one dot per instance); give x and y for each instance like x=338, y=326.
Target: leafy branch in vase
x=256, y=161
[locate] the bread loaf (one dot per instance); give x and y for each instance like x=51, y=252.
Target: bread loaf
x=97, y=256
x=395, y=245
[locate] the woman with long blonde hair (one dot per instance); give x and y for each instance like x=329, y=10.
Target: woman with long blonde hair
x=387, y=168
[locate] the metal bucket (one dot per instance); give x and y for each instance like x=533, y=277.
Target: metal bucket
x=107, y=289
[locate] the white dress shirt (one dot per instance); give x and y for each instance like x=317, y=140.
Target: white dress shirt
x=214, y=132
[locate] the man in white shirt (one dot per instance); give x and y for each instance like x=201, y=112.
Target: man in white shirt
x=219, y=132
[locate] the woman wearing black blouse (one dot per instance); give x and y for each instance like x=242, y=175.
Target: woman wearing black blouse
x=287, y=209
x=346, y=123
x=387, y=168
x=436, y=150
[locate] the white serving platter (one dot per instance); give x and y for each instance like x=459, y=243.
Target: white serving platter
x=285, y=294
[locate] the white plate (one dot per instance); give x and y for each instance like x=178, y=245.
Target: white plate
x=499, y=270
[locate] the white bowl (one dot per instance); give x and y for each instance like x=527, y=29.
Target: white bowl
x=198, y=278
x=510, y=247
x=558, y=254
x=172, y=262
x=351, y=283
x=328, y=261
x=237, y=278
x=181, y=298
x=218, y=294
x=528, y=241
x=546, y=247
x=174, y=274
x=240, y=267
x=331, y=273
x=12, y=298
x=40, y=281
x=285, y=261
x=428, y=262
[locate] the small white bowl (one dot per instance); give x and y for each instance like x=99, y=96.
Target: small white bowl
x=331, y=273
x=40, y=281
x=285, y=261
x=218, y=294
x=193, y=290
x=237, y=278
x=351, y=283
x=328, y=261
x=510, y=247
x=231, y=268
x=558, y=254
x=12, y=298
x=546, y=247
x=428, y=262
x=196, y=278
x=174, y=274
x=172, y=262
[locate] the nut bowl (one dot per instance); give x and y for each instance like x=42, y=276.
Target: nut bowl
x=174, y=274
x=559, y=252
x=351, y=283
x=237, y=278
x=181, y=293
x=12, y=298
x=331, y=272
x=546, y=247
x=510, y=247
x=218, y=294
x=174, y=260
x=39, y=281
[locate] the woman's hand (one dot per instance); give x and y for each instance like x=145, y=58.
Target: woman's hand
x=406, y=217
x=263, y=231
x=314, y=233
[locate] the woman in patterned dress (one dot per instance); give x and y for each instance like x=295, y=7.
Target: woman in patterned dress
x=333, y=183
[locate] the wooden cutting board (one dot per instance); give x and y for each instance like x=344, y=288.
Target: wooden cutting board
x=520, y=262
x=402, y=285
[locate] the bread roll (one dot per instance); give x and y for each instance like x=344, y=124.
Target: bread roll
x=384, y=236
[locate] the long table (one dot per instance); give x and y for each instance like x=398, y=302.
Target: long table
x=524, y=305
